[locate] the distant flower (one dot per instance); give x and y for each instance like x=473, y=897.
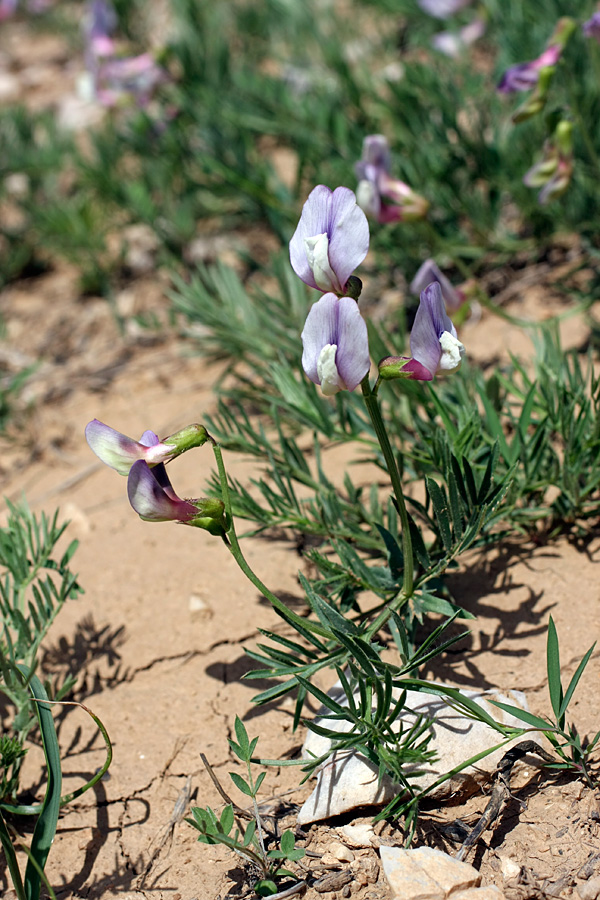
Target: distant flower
x=429, y=272
x=433, y=342
x=152, y=497
x=442, y=9
x=454, y=44
x=524, y=76
x=120, y=452
x=129, y=77
x=115, y=79
x=331, y=240
x=553, y=172
x=376, y=186
x=591, y=28
x=336, y=345
x=7, y=8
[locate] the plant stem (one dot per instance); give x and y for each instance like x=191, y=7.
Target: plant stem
x=233, y=545
x=372, y=404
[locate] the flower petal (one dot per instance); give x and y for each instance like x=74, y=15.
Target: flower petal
x=352, y=358
x=348, y=234
x=114, y=449
x=319, y=330
x=313, y=221
x=152, y=496
x=430, y=323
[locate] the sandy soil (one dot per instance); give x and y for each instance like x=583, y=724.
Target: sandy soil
x=157, y=641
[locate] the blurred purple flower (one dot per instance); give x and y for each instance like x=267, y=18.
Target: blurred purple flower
x=524, y=76
x=454, y=44
x=126, y=77
x=7, y=8
x=120, y=452
x=591, y=28
x=331, y=240
x=376, y=185
x=430, y=272
x=553, y=172
x=433, y=342
x=336, y=345
x=443, y=9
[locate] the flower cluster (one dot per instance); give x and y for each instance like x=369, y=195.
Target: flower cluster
x=376, y=186
x=149, y=488
x=114, y=78
x=331, y=239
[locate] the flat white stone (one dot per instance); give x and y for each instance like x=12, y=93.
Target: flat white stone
x=428, y=874
x=348, y=781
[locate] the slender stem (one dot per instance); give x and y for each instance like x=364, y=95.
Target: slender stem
x=372, y=404
x=233, y=545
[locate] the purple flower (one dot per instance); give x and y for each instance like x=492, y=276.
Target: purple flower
x=524, y=76
x=152, y=497
x=7, y=8
x=336, y=345
x=376, y=186
x=553, y=172
x=454, y=44
x=433, y=342
x=120, y=452
x=591, y=28
x=126, y=77
x=430, y=272
x=331, y=240
x=443, y=9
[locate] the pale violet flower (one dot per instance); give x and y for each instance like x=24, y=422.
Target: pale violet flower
x=454, y=44
x=430, y=271
x=331, y=240
x=525, y=76
x=120, y=452
x=336, y=345
x=443, y=9
x=151, y=495
x=591, y=28
x=376, y=186
x=434, y=343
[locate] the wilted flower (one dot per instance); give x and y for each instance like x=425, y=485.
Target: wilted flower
x=429, y=272
x=120, y=452
x=434, y=343
x=454, y=44
x=152, y=497
x=553, y=172
x=524, y=76
x=591, y=28
x=376, y=186
x=336, y=346
x=331, y=240
x=443, y=9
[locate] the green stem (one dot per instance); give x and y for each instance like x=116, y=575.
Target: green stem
x=374, y=411
x=233, y=545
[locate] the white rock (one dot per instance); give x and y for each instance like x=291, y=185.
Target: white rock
x=347, y=780
x=340, y=852
x=509, y=868
x=425, y=873
x=589, y=890
x=359, y=835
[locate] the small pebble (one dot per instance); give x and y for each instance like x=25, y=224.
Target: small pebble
x=340, y=852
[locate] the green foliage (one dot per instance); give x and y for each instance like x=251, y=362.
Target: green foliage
x=34, y=586
x=249, y=841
